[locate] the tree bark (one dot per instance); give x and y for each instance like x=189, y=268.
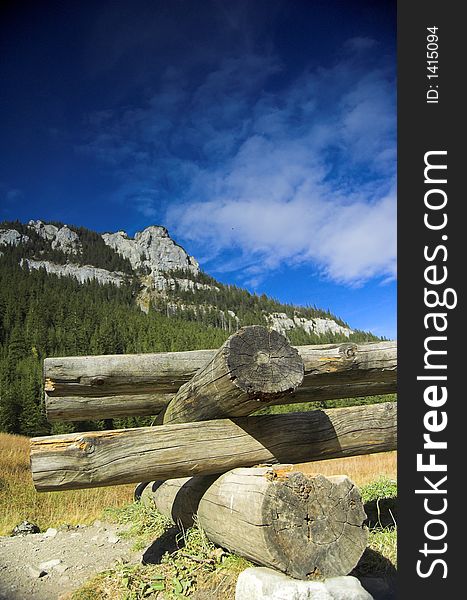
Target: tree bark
x=95, y=387
x=303, y=525
x=93, y=459
x=253, y=368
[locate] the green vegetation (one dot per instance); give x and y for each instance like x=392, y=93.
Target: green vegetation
x=379, y=489
x=250, y=309
x=192, y=564
x=307, y=406
x=380, y=499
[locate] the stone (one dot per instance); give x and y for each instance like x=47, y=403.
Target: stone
x=45, y=230
x=261, y=583
x=61, y=568
x=63, y=238
x=49, y=564
x=113, y=539
x=346, y=588
x=97, y=523
x=36, y=573
x=50, y=533
x=282, y=323
x=25, y=528
x=67, y=241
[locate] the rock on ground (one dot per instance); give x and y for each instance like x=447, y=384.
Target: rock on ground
x=41, y=566
x=261, y=583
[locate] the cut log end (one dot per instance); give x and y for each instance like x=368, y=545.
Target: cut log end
x=262, y=362
x=316, y=525
x=254, y=366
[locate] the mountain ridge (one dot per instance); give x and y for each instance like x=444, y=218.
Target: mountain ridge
x=170, y=279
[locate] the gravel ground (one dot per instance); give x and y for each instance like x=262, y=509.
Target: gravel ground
x=73, y=555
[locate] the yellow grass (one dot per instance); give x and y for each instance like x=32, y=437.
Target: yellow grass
x=20, y=501
x=360, y=469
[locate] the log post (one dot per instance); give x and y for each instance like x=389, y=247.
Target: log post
x=93, y=459
x=253, y=368
x=306, y=526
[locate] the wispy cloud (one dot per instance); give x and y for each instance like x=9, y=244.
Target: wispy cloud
x=245, y=162
x=9, y=195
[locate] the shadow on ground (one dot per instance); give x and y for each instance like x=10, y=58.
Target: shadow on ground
x=381, y=513
x=169, y=541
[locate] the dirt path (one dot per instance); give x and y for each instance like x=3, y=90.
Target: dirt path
x=73, y=555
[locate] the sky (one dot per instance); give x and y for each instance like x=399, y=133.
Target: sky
x=261, y=133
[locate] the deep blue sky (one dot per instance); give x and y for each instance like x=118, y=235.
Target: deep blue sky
x=261, y=133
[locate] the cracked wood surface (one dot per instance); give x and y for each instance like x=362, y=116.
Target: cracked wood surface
x=303, y=525
x=93, y=459
x=254, y=367
x=95, y=387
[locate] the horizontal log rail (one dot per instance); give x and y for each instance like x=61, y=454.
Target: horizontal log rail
x=93, y=459
x=96, y=387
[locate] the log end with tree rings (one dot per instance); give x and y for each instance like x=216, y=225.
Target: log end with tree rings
x=262, y=362
x=253, y=368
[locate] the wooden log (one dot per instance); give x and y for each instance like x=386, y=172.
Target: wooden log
x=93, y=459
x=94, y=408
x=84, y=408
x=304, y=525
x=94, y=387
x=253, y=368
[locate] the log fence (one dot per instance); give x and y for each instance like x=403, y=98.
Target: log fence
x=219, y=460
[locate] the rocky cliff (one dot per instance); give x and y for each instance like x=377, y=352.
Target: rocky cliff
x=151, y=250
x=81, y=273
x=60, y=238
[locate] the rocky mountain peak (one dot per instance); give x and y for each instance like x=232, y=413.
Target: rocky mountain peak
x=151, y=232
x=151, y=249
x=61, y=238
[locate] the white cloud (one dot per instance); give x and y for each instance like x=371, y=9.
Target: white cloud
x=349, y=242
x=310, y=184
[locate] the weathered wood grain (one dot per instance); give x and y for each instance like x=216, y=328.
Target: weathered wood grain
x=253, y=368
x=83, y=408
x=94, y=387
x=303, y=525
x=93, y=459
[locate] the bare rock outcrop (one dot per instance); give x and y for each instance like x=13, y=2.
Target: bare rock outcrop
x=151, y=250
x=319, y=326
x=11, y=237
x=81, y=273
x=64, y=239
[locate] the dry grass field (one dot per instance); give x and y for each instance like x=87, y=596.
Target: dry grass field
x=360, y=469
x=19, y=500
